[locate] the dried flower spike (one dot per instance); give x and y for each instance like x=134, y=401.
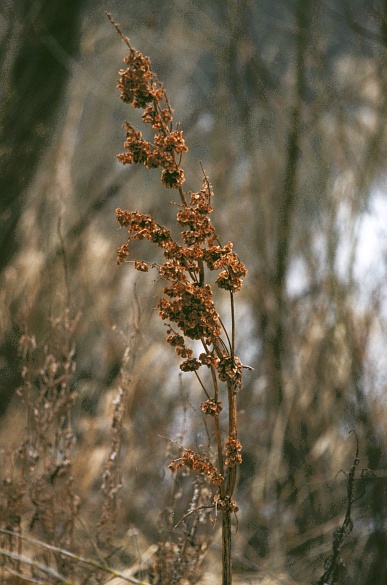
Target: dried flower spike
x=187, y=300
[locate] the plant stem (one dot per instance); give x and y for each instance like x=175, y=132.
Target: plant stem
x=226, y=547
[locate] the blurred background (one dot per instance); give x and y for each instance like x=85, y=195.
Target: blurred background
x=285, y=104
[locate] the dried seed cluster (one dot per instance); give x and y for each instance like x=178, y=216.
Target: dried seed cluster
x=233, y=449
x=140, y=87
x=225, y=503
x=187, y=300
x=197, y=462
x=211, y=407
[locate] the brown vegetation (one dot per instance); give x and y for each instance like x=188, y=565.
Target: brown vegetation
x=285, y=104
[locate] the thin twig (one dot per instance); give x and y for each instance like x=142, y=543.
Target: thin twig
x=117, y=27
x=202, y=385
x=232, y=324
x=65, y=553
x=192, y=512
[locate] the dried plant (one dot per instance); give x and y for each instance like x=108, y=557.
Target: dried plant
x=183, y=546
x=187, y=306
x=334, y=565
x=78, y=487
x=38, y=482
x=40, y=523
x=111, y=477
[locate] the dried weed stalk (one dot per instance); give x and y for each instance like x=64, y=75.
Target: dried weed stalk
x=38, y=494
x=182, y=547
x=40, y=535
x=187, y=305
x=111, y=476
x=334, y=565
